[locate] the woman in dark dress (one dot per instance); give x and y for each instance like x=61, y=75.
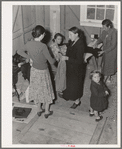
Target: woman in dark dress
x=74, y=67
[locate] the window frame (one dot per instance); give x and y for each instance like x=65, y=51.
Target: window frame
x=94, y=23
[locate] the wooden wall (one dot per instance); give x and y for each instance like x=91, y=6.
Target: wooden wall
x=26, y=17
x=70, y=16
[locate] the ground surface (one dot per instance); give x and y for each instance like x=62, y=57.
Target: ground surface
x=68, y=126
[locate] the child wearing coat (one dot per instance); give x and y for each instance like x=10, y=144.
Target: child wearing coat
x=99, y=93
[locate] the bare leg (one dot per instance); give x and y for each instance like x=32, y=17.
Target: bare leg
x=46, y=108
x=77, y=101
x=96, y=114
x=91, y=111
x=39, y=107
x=27, y=95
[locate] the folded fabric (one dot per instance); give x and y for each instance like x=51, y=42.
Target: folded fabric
x=60, y=77
x=95, y=51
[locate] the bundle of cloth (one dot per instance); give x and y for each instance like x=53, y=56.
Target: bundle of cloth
x=19, y=64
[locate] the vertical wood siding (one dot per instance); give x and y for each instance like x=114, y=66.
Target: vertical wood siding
x=26, y=17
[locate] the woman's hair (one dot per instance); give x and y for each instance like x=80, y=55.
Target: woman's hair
x=81, y=35
x=38, y=31
x=108, y=23
x=76, y=30
x=58, y=34
x=95, y=72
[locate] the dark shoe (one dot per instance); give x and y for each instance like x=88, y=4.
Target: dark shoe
x=46, y=115
x=74, y=106
x=91, y=114
x=60, y=95
x=39, y=113
x=97, y=120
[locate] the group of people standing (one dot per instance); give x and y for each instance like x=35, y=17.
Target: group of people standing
x=71, y=56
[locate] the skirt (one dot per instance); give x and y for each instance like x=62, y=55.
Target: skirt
x=40, y=88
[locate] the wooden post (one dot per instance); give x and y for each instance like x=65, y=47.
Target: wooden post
x=44, y=15
x=22, y=25
x=55, y=19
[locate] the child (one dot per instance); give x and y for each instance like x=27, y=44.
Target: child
x=55, y=47
x=99, y=92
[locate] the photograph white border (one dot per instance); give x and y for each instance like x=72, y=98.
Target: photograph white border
x=6, y=57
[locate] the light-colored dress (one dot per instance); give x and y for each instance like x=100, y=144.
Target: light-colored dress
x=60, y=77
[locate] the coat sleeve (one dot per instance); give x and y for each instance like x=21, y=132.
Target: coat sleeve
x=79, y=55
x=104, y=86
x=95, y=91
x=113, y=41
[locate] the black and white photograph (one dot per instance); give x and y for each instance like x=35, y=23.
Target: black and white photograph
x=61, y=74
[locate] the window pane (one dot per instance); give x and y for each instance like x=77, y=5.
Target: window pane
x=110, y=14
x=110, y=6
x=90, y=13
x=91, y=5
x=100, y=14
x=100, y=5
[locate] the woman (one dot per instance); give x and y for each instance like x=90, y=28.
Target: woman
x=74, y=67
x=40, y=88
x=109, y=40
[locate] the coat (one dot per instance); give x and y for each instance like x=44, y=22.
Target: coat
x=74, y=71
x=109, y=62
x=98, y=99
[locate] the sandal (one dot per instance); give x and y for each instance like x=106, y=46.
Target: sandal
x=46, y=115
x=39, y=113
x=60, y=94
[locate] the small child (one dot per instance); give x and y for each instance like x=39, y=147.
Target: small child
x=55, y=46
x=99, y=92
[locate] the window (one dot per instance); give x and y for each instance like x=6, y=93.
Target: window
x=92, y=15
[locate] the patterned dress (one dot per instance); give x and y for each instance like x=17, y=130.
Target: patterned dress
x=40, y=89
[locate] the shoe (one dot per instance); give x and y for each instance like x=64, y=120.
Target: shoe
x=91, y=114
x=74, y=106
x=39, y=113
x=60, y=95
x=46, y=115
x=97, y=120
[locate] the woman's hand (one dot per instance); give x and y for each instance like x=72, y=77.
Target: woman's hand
x=63, y=58
x=31, y=62
x=106, y=92
x=95, y=45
